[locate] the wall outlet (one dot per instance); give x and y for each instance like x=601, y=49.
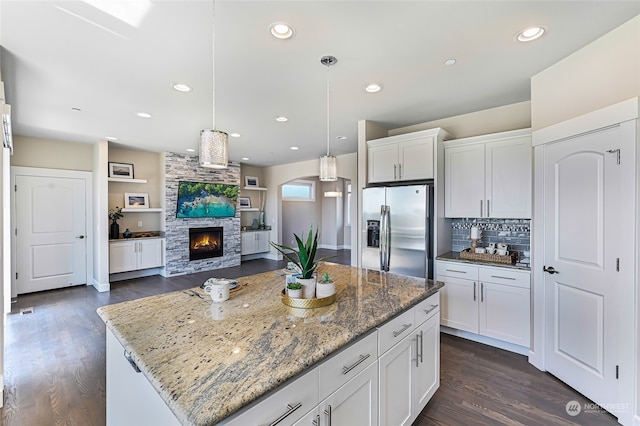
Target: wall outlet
x=139, y=224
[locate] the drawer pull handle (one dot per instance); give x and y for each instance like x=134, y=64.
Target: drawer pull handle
x=346, y=369
x=133, y=364
x=290, y=409
x=428, y=311
x=402, y=330
x=316, y=421
x=503, y=278
x=328, y=414
x=456, y=271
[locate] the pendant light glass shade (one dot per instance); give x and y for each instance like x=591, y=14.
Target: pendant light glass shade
x=328, y=168
x=214, y=149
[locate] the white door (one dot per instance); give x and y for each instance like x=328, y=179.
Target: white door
x=355, y=403
x=582, y=239
x=396, y=368
x=51, y=233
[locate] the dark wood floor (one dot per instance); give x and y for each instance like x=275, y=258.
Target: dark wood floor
x=55, y=364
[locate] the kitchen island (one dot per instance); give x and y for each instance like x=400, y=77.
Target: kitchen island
x=208, y=361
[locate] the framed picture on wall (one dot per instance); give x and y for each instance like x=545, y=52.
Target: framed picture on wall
x=121, y=170
x=251, y=181
x=245, y=202
x=134, y=200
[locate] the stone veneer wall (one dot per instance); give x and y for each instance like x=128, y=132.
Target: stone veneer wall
x=180, y=167
x=514, y=232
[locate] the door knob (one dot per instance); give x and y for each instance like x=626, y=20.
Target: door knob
x=81, y=237
x=550, y=270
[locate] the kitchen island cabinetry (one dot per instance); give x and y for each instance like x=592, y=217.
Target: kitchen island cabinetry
x=487, y=301
x=135, y=254
x=212, y=363
x=410, y=369
x=489, y=176
x=403, y=157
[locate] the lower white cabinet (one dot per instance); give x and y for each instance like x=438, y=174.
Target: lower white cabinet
x=255, y=242
x=410, y=371
x=132, y=255
x=132, y=400
x=490, y=301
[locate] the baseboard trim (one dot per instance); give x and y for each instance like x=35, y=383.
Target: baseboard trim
x=486, y=340
x=134, y=274
x=101, y=287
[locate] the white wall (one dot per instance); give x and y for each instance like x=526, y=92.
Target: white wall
x=602, y=73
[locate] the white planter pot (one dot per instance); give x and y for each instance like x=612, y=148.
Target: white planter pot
x=295, y=294
x=308, y=287
x=325, y=289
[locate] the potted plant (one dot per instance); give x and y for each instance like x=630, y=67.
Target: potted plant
x=325, y=287
x=304, y=258
x=294, y=290
x=114, y=230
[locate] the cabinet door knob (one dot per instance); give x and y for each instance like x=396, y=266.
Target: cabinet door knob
x=80, y=237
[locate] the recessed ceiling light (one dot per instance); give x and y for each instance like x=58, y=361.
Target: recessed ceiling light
x=234, y=135
x=281, y=31
x=111, y=138
x=245, y=158
x=530, y=33
x=281, y=118
x=181, y=87
x=143, y=115
x=450, y=62
x=341, y=137
x=191, y=150
x=373, y=88
x=294, y=148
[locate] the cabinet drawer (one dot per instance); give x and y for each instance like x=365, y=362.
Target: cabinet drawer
x=395, y=330
x=427, y=308
x=288, y=404
x=505, y=276
x=344, y=366
x=457, y=270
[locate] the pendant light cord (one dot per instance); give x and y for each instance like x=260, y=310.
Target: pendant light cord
x=213, y=63
x=328, y=109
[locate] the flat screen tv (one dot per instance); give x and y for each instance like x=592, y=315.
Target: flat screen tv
x=201, y=199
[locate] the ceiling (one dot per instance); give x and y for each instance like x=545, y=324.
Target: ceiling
x=61, y=55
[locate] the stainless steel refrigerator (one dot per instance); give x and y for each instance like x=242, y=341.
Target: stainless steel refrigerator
x=397, y=229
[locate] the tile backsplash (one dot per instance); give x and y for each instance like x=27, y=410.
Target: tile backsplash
x=514, y=232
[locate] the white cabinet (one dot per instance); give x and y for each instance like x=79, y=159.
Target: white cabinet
x=492, y=302
x=255, y=242
x=403, y=157
x=132, y=255
x=355, y=403
x=489, y=176
x=132, y=400
x=409, y=372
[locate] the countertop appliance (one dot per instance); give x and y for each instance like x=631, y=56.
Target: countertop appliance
x=397, y=229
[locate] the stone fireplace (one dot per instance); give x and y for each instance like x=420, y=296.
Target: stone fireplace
x=179, y=261
x=205, y=243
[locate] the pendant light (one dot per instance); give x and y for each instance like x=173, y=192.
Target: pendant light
x=214, y=144
x=328, y=163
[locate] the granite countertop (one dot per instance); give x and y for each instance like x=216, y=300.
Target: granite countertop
x=141, y=235
x=209, y=360
x=454, y=256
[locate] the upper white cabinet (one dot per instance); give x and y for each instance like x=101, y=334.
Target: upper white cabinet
x=403, y=157
x=489, y=176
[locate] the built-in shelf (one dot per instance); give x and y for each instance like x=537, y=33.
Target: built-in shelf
x=250, y=209
x=149, y=210
x=115, y=179
x=255, y=188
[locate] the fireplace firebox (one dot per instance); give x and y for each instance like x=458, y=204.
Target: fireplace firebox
x=205, y=243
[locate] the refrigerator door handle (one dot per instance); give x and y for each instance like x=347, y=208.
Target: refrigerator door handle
x=383, y=255
x=388, y=230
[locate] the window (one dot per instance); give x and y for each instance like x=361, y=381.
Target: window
x=299, y=190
